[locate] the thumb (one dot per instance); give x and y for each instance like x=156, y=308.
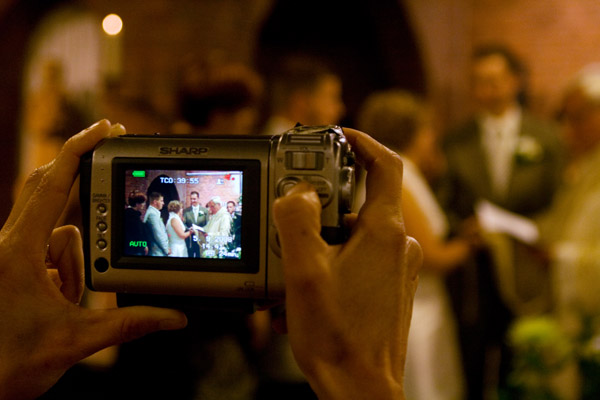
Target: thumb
x=105, y=328
x=298, y=216
x=298, y=220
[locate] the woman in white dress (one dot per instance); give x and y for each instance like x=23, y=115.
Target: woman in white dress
x=176, y=230
x=433, y=367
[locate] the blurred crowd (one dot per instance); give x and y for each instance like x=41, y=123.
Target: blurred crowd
x=479, y=280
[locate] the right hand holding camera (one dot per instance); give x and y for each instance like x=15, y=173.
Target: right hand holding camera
x=349, y=306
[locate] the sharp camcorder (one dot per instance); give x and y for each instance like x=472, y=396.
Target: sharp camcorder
x=237, y=254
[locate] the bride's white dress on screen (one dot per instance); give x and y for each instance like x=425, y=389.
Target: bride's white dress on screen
x=433, y=367
x=177, y=244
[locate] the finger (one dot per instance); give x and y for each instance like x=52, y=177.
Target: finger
x=54, y=278
x=279, y=324
x=104, y=328
x=65, y=252
x=349, y=220
x=47, y=201
x=117, y=130
x=35, y=178
x=298, y=220
x=26, y=192
x=414, y=258
x=384, y=167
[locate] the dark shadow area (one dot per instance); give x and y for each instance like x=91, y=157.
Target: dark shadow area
x=369, y=44
x=17, y=24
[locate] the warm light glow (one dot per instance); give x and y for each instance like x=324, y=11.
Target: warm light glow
x=112, y=24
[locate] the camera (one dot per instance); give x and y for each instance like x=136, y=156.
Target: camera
x=232, y=255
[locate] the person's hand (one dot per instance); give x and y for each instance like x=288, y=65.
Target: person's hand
x=43, y=330
x=349, y=306
x=470, y=230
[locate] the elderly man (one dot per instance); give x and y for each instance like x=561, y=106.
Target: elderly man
x=571, y=228
x=220, y=220
x=218, y=228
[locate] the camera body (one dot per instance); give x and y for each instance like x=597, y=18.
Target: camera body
x=236, y=255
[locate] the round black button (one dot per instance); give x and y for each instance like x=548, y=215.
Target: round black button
x=102, y=226
x=101, y=264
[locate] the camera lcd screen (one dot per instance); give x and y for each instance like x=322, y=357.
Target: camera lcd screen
x=187, y=214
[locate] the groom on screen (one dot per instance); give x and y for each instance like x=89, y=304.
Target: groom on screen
x=194, y=215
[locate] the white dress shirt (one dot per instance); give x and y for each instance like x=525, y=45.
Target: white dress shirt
x=499, y=138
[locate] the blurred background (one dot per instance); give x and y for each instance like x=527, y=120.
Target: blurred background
x=219, y=66
x=56, y=53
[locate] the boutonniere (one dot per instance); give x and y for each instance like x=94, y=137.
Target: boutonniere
x=528, y=150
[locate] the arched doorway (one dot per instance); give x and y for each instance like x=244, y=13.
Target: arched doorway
x=61, y=77
x=369, y=44
x=16, y=24
x=168, y=190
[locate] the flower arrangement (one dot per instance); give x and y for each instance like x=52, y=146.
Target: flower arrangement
x=543, y=349
x=528, y=150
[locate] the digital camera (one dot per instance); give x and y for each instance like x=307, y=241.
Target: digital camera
x=232, y=252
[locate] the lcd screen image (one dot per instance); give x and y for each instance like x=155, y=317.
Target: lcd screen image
x=182, y=213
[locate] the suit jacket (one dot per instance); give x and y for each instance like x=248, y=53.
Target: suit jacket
x=188, y=217
x=533, y=180
x=519, y=276
x=188, y=220
x=157, y=233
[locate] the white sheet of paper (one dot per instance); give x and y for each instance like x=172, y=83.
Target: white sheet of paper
x=495, y=219
x=197, y=228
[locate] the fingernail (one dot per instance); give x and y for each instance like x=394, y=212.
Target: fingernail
x=117, y=130
x=300, y=187
x=93, y=126
x=173, y=323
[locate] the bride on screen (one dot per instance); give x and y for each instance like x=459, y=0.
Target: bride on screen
x=176, y=230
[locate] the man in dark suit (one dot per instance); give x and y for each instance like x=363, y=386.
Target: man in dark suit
x=194, y=215
x=236, y=225
x=506, y=156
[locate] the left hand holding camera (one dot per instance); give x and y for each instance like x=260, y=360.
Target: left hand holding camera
x=43, y=330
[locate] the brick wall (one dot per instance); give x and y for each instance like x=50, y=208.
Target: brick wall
x=226, y=186
x=160, y=36
x=555, y=37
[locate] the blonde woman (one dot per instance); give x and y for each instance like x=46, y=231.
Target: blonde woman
x=176, y=230
x=402, y=122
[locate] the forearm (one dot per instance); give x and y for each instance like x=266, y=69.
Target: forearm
x=336, y=382
x=180, y=231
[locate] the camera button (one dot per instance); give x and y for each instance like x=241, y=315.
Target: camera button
x=101, y=208
x=286, y=184
x=102, y=244
x=323, y=188
x=101, y=264
x=102, y=226
x=307, y=160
